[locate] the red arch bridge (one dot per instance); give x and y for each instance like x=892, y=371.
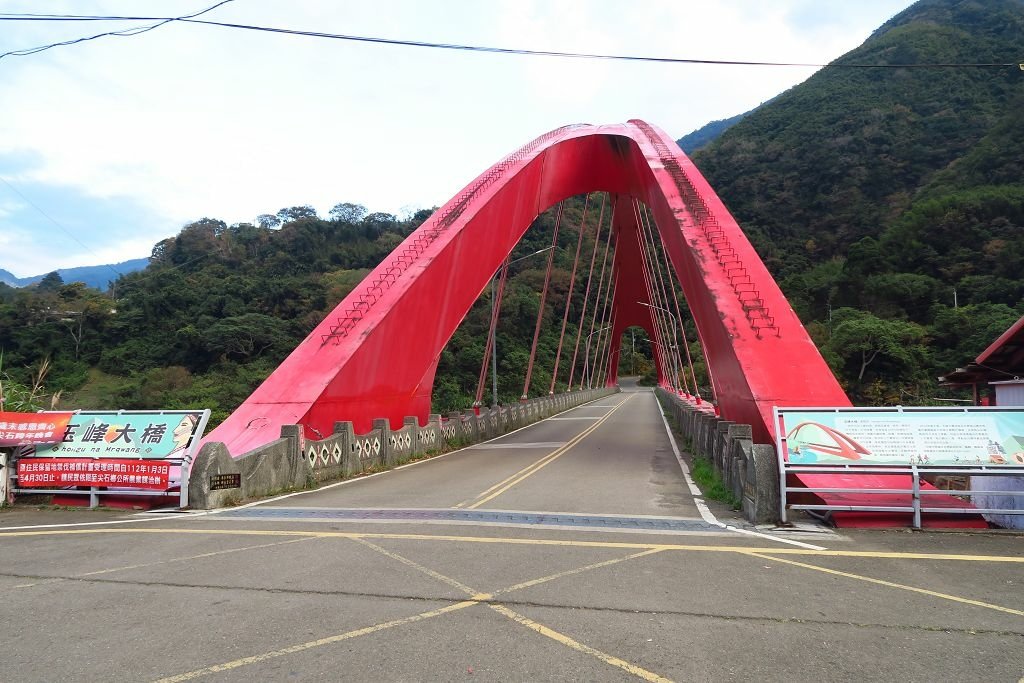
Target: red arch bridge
x=663, y=245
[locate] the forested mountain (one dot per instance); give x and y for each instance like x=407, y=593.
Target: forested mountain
x=889, y=202
x=708, y=133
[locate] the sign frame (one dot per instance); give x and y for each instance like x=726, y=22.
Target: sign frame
x=183, y=461
x=909, y=467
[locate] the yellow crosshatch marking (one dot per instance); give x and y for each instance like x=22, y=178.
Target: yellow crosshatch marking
x=580, y=647
x=890, y=584
x=475, y=599
x=489, y=598
x=292, y=649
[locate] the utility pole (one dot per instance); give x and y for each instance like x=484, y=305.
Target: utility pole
x=632, y=353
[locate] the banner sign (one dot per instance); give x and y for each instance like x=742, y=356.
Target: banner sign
x=58, y=472
x=26, y=429
x=136, y=434
x=991, y=437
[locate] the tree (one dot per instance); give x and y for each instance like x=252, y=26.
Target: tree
x=268, y=221
x=51, y=282
x=247, y=336
x=347, y=212
x=294, y=213
x=861, y=338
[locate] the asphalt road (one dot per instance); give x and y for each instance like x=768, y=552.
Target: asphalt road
x=573, y=549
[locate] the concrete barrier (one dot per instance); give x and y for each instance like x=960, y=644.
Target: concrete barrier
x=277, y=466
x=292, y=463
x=747, y=469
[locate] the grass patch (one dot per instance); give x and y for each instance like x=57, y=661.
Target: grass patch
x=711, y=484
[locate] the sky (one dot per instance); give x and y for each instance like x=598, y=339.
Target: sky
x=112, y=145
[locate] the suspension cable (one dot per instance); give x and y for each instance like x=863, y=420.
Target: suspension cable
x=660, y=306
x=682, y=328
x=664, y=300
x=604, y=328
x=605, y=357
x=491, y=333
x=543, y=299
x=707, y=367
x=572, y=286
x=586, y=294
x=657, y=315
x=597, y=298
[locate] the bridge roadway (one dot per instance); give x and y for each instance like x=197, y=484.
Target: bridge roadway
x=569, y=550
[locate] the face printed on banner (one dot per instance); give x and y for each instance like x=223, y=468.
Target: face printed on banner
x=183, y=432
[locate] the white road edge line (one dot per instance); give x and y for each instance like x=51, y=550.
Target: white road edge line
x=205, y=513
x=698, y=499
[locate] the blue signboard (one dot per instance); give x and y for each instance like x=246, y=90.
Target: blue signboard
x=990, y=437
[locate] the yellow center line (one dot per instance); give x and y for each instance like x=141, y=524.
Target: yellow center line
x=580, y=647
x=292, y=649
x=513, y=476
x=890, y=584
x=1015, y=559
x=542, y=460
x=530, y=470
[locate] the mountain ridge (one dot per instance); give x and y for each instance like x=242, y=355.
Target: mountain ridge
x=888, y=202
x=97, y=277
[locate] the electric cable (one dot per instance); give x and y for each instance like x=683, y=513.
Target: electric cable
x=122, y=33
x=464, y=47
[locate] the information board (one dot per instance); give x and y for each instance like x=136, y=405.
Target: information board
x=991, y=437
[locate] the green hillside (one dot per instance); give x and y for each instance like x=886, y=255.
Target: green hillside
x=889, y=202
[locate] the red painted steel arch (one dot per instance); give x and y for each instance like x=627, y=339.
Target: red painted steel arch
x=375, y=355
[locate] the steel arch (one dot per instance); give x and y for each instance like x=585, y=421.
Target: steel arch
x=376, y=354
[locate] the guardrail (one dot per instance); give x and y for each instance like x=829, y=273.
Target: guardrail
x=916, y=492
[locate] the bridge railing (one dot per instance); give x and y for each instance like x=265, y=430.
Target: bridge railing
x=292, y=462
x=749, y=470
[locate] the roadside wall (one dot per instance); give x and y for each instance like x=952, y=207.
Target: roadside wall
x=292, y=463
x=748, y=469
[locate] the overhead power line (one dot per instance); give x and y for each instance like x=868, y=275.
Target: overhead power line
x=134, y=31
x=578, y=55
x=190, y=19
